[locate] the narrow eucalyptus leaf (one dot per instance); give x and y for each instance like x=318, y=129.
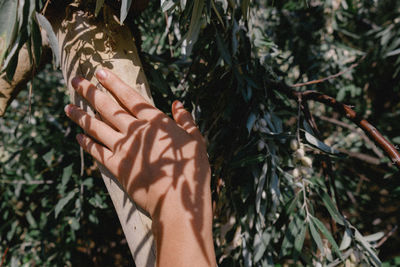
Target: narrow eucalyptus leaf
x=331, y=207
x=62, y=202
x=45, y=24
x=374, y=237
x=328, y=235
x=316, y=237
x=125, y=6
x=12, y=66
x=168, y=4
x=67, y=172
x=30, y=219
x=299, y=241
x=346, y=240
x=320, y=145
x=36, y=38
x=367, y=247
x=250, y=122
x=223, y=49
x=99, y=5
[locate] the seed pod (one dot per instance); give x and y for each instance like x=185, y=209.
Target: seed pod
x=296, y=173
x=306, y=161
x=294, y=145
x=299, y=154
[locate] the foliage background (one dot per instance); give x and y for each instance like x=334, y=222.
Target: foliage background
x=52, y=215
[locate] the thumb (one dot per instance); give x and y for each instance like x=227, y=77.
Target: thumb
x=185, y=120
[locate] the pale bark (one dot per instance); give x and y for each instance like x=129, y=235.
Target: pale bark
x=86, y=45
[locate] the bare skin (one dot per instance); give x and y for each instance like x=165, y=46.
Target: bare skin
x=161, y=162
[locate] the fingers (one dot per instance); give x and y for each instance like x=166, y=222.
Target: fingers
x=184, y=119
x=127, y=96
x=104, y=104
x=94, y=127
x=99, y=152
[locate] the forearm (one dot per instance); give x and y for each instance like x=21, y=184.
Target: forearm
x=183, y=232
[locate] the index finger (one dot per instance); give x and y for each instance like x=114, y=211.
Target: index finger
x=127, y=96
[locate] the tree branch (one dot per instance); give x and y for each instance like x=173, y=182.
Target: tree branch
x=349, y=113
x=331, y=76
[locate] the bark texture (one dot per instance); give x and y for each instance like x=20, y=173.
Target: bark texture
x=85, y=45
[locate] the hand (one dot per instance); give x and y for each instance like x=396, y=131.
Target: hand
x=161, y=163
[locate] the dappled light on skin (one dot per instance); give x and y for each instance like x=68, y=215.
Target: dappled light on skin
x=161, y=163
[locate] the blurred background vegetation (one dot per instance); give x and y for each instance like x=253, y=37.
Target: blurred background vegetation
x=224, y=59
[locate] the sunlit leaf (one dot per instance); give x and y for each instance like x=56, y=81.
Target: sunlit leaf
x=346, y=240
x=63, y=202
x=45, y=24
x=125, y=6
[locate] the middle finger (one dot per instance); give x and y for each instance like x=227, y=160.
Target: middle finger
x=110, y=110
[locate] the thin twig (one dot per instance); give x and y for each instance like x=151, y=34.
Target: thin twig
x=350, y=114
x=25, y=182
x=389, y=234
x=326, y=164
x=354, y=129
x=4, y=257
x=331, y=76
x=45, y=7
x=361, y=156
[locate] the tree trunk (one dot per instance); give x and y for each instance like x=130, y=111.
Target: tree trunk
x=85, y=45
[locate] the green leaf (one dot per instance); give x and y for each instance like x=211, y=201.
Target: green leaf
x=374, y=237
x=396, y=140
x=317, y=238
x=125, y=6
x=8, y=15
x=168, y=4
x=346, y=240
x=331, y=207
x=74, y=223
x=49, y=157
x=30, y=219
x=223, y=49
x=328, y=235
x=67, y=172
x=53, y=41
x=36, y=38
x=12, y=66
x=192, y=35
x=62, y=202
x=299, y=241
x=367, y=247
x=99, y=5
x=250, y=122
x=320, y=145
x=260, y=245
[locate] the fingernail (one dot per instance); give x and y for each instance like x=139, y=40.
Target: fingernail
x=79, y=138
x=67, y=108
x=178, y=104
x=101, y=74
x=75, y=81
